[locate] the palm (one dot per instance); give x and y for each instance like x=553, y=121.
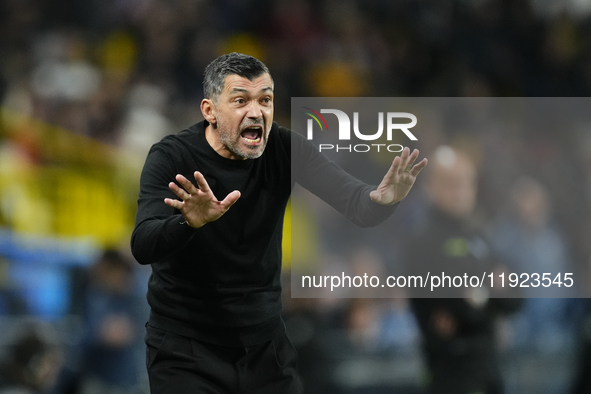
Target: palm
x=199, y=206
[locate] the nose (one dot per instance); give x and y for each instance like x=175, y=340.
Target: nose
x=254, y=110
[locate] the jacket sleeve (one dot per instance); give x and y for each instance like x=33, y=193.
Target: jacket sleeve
x=324, y=178
x=158, y=231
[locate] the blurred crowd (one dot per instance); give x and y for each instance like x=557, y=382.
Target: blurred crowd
x=127, y=72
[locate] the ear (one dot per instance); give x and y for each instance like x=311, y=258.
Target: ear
x=208, y=110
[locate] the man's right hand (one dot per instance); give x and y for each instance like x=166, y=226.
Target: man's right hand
x=198, y=205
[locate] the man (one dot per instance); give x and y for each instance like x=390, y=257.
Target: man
x=215, y=324
x=458, y=332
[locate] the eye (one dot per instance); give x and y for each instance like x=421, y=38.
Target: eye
x=240, y=101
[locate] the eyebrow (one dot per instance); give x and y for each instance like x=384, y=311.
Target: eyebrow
x=240, y=90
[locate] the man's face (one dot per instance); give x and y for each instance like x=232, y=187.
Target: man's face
x=453, y=189
x=244, y=116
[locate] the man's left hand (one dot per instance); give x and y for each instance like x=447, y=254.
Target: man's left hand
x=399, y=179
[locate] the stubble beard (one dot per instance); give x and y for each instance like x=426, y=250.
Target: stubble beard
x=231, y=140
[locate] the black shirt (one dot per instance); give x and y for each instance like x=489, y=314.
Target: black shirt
x=221, y=283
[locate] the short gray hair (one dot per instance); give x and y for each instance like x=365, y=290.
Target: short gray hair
x=231, y=63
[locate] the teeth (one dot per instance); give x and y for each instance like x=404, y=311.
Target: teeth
x=251, y=140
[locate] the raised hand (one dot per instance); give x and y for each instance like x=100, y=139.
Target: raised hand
x=399, y=179
x=198, y=205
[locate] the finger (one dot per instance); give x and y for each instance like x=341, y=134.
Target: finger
x=395, y=167
x=411, y=159
x=403, y=158
x=186, y=184
x=201, y=182
x=230, y=199
x=405, y=152
x=418, y=167
x=375, y=196
x=173, y=203
x=181, y=193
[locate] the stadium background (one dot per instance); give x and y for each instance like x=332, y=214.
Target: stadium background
x=87, y=86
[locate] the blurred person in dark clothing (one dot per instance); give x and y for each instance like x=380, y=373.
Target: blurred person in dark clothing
x=215, y=294
x=11, y=301
x=113, y=327
x=32, y=364
x=458, y=333
x=582, y=377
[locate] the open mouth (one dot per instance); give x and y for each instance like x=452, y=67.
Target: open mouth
x=252, y=134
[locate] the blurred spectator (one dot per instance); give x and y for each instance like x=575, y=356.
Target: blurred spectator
x=113, y=328
x=582, y=379
x=458, y=333
x=32, y=364
x=11, y=302
x=399, y=332
x=525, y=239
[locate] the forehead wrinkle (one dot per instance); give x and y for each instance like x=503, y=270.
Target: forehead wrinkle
x=243, y=90
x=237, y=84
x=239, y=90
